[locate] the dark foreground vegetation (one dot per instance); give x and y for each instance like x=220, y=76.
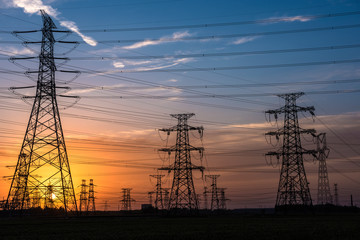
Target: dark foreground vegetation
x=232, y=225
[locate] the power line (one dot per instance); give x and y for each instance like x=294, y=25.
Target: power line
x=201, y=55
x=169, y=39
x=223, y=24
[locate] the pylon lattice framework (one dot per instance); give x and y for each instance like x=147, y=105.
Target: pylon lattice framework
x=324, y=193
x=90, y=206
x=182, y=195
x=293, y=186
x=223, y=199
x=126, y=200
x=159, y=201
x=83, y=196
x=43, y=167
x=215, y=201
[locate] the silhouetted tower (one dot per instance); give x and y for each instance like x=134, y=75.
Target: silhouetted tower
x=166, y=196
x=215, y=203
x=183, y=195
x=126, y=200
x=36, y=199
x=336, y=194
x=158, y=192
x=43, y=157
x=205, y=193
x=150, y=194
x=49, y=196
x=106, y=205
x=223, y=199
x=293, y=186
x=90, y=206
x=324, y=194
x=83, y=196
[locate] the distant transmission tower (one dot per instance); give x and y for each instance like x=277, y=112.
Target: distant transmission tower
x=126, y=200
x=158, y=192
x=336, y=194
x=324, y=193
x=215, y=203
x=223, y=199
x=205, y=194
x=83, y=196
x=43, y=157
x=183, y=194
x=293, y=186
x=166, y=196
x=150, y=196
x=90, y=206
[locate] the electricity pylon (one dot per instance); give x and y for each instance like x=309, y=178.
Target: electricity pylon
x=215, y=203
x=90, y=206
x=293, y=186
x=43, y=165
x=223, y=199
x=159, y=203
x=336, y=194
x=126, y=200
x=182, y=194
x=205, y=194
x=324, y=193
x=83, y=196
x=150, y=194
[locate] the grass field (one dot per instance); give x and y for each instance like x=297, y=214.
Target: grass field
x=340, y=226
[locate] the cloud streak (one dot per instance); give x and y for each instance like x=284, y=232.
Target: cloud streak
x=177, y=36
x=243, y=40
x=34, y=6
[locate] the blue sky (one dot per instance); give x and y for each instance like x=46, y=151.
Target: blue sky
x=128, y=69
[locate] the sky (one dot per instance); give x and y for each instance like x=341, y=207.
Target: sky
x=225, y=61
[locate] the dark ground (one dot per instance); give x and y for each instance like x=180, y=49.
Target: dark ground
x=236, y=226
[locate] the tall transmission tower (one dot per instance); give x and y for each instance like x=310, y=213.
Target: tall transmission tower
x=90, y=206
x=183, y=195
x=83, y=196
x=324, y=193
x=215, y=203
x=43, y=160
x=159, y=203
x=293, y=186
x=126, y=200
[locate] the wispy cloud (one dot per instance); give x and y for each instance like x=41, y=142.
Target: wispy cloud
x=244, y=40
x=286, y=19
x=177, y=36
x=34, y=6
x=295, y=19
x=149, y=65
x=72, y=26
x=12, y=51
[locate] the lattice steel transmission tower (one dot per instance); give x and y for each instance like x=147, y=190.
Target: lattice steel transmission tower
x=293, y=186
x=215, y=202
x=83, y=196
x=336, y=194
x=150, y=196
x=159, y=203
x=223, y=199
x=324, y=193
x=182, y=195
x=205, y=194
x=126, y=200
x=90, y=206
x=43, y=165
